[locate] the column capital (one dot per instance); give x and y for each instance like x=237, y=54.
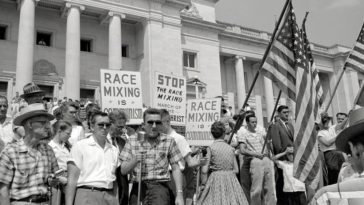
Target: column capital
x=106, y=17
x=115, y=13
x=19, y=3
x=237, y=57
x=71, y=5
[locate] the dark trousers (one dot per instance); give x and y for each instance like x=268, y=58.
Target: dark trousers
x=333, y=160
x=245, y=179
x=288, y=198
x=123, y=187
x=152, y=193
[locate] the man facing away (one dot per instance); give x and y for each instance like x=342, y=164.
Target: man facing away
x=91, y=173
x=25, y=165
x=186, y=152
x=261, y=167
x=159, y=150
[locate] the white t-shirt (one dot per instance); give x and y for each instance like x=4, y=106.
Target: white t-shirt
x=327, y=135
x=77, y=134
x=62, y=154
x=183, y=147
x=6, y=131
x=97, y=165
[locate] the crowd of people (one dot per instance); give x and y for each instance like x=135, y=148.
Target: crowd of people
x=70, y=152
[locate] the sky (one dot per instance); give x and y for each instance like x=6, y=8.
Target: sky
x=329, y=22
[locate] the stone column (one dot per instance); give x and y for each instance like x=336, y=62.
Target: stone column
x=25, y=52
x=269, y=97
x=115, y=42
x=73, y=36
x=240, y=80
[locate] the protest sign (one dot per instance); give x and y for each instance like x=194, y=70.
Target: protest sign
x=200, y=116
x=122, y=90
x=170, y=94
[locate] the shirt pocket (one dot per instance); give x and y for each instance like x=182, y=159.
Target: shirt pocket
x=161, y=160
x=21, y=176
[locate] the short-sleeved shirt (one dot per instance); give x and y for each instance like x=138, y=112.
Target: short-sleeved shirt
x=253, y=140
x=6, y=131
x=183, y=147
x=62, y=154
x=327, y=135
x=25, y=170
x=76, y=134
x=97, y=164
x=156, y=159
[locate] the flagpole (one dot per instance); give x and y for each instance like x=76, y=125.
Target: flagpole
x=271, y=120
x=242, y=116
x=358, y=96
x=335, y=88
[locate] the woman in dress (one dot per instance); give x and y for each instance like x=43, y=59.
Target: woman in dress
x=218, y=176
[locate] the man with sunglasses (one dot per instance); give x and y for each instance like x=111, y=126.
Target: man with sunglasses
x=159, y=150
x=25, y=165
x=91, y=173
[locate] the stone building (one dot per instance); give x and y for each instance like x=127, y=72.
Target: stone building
x=62, y=44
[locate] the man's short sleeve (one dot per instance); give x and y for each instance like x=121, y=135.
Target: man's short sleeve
x=6, y=167
x=241, y=135
x=174, y=155
x=76, y=155
x=182, y=145
x=126, y=153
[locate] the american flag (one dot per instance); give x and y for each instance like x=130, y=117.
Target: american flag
x=280, y=62
x=356, y=57
x=307, y=164
x=289, y=66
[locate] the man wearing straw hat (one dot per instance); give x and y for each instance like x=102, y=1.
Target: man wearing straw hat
x=25, y=165
x=32, y=93
x=350, y=141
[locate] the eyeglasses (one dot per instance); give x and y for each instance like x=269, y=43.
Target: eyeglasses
x=103, y=125
x=151, y=122
x=43, y=123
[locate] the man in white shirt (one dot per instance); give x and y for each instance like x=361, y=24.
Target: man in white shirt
x=261, y=167
x=91, y=173
x=185, y=150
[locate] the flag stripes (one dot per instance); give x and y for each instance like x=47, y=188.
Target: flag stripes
x=356, y=57
x=279, y=65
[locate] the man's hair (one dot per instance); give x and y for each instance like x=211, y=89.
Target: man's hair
x=355, y=140
x=151, y=111
x=282, y=107
x=217, y=129
x=165, y=114
x=117, y=115
x=341, y=113
x=95, y=114
x=247, y=118
x=249, y=112
x=65, y=106
x=61, y=125
x=5, y=98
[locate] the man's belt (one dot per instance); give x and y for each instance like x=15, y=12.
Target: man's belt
x=94, y=188
x=33, y=199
